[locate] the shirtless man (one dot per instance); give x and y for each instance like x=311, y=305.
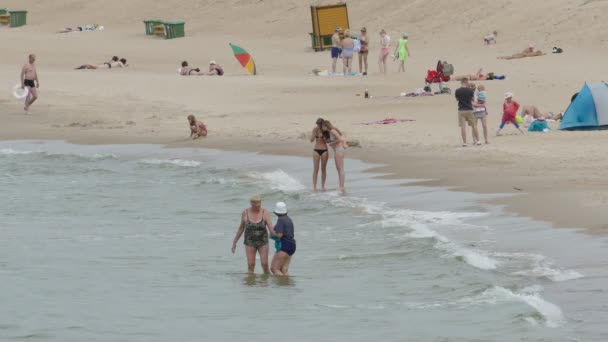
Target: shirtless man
x=529, y=52
x=29, y=79
x=336, y=48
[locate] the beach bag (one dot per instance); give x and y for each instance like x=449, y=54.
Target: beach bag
x=448, y=69
x=357, y=48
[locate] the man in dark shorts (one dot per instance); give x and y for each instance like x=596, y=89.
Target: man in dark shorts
x=336, y=48
x=29, y=79
x=465, y=96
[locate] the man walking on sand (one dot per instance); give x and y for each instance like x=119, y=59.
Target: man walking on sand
x=465, y=96
x=336, y=49
x=29, y=79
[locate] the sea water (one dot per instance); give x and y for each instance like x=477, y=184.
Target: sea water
x=132, y=243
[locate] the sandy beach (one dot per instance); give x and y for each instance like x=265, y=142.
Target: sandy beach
x=558, y=177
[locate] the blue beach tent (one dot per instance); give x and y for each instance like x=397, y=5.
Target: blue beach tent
x=589, y=111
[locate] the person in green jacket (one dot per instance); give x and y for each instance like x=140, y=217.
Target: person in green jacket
x=402, y=52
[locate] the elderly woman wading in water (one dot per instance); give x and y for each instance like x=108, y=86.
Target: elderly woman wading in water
x=255, y=223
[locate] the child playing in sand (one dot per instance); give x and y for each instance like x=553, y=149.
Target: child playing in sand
x=510, y=109
x=197, y=128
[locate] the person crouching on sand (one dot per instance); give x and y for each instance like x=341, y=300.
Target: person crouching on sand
x=215, y=69
x=283, y=230
x=197, y=128
x=510, y=109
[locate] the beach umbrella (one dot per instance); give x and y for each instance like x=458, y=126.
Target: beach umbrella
x=244, y=58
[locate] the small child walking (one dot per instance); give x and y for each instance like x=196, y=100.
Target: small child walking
x=510, y=109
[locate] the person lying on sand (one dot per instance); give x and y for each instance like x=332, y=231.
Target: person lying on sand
x=197, y=128
x=536, y=113
x=188, y=71
x=529, y=52
x=214, y=70
x=107, y=65
x=81, y=28
x=470, y=77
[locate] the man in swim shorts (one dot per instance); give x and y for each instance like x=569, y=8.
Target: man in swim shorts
x=29, y=79
x=336, y=48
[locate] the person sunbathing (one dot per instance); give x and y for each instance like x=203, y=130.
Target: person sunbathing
x=537, y=114
x=81, y=28
x=529, y=52
x=187, y=70
x=479, y=76
x=214, y=70
x=107, y=65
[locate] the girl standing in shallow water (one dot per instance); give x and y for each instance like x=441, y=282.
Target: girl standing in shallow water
x=320, y=155
x=336, y=140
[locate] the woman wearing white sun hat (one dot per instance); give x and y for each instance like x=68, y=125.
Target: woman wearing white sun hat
x=284, y=230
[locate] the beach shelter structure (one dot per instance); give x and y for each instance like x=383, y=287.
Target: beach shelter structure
x=589, y=110
x=325, y=19
x=244, y=58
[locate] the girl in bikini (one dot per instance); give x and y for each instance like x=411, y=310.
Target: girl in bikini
x=320, y=155
x=336, y=140
x=197, y=128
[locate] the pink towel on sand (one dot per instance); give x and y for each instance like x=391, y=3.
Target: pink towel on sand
x=386, y=121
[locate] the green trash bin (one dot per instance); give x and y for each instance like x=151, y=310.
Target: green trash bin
x=18, y=18
x=150, y=25
x=3, y=11
x=174, y=29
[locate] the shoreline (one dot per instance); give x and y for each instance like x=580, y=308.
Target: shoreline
x=416, y=168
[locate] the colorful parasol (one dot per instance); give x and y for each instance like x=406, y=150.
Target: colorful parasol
x=244, y=58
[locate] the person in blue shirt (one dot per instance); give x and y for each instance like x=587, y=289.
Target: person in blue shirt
x=284, y=232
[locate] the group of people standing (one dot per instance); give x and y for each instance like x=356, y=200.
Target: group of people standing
x=256, y=223
x=345, y=47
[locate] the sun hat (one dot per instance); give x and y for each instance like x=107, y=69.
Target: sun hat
x=212, y=63
x=508, y=95
x=280, y=208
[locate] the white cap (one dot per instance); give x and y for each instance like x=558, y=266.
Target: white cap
x=212, y=63
x=508, y=95
x=280, y=208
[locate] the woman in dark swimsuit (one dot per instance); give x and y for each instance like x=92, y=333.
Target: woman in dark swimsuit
x=320, y=155
x=255, y=223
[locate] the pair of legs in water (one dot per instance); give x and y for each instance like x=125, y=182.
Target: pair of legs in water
x=320, y=159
